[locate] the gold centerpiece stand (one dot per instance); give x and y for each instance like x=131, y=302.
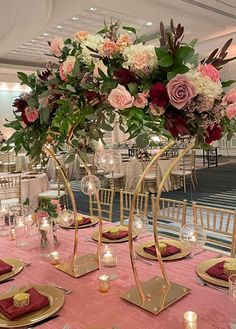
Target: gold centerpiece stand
x=157, y=293
x=78, y=265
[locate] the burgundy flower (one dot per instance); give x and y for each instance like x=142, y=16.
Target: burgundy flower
x=158, y=94
x=92, y=97
x=213, y=133
x=176, y=125
x=124, y=76
x=24, y=118
x=44, y=75
x=20, y=104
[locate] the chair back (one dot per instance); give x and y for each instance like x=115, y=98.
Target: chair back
x=10, y=187
x=171, y=217
x=220, y=226
x=154, y=174
x=188, y=162
x=126, y=198
x=106, y=197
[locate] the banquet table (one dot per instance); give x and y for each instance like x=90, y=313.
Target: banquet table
x=31, y=187
x=132, y=170
x=87, y=308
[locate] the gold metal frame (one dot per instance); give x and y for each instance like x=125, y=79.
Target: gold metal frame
x=157, y=293
x=78, y=265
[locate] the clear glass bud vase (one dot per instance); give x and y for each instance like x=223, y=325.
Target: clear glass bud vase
x=46, y=239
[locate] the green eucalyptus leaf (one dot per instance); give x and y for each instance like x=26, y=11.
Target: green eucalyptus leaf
x=142, y=141
x=178, y=70
x=164, y=58
x=227, y=83
x=133, y=88
x=70, y=88
x=183, y=54
x=76, y=68
x=128, y=28
x=70, y=158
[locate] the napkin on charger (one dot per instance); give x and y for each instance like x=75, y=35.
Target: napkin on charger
x=115, y=235
x=4, y=267
x=85, y=221
x=217, y=271
x=37, y=301
x=169, y=250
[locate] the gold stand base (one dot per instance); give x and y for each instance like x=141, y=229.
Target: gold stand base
x=80, y=266
x=158, y=296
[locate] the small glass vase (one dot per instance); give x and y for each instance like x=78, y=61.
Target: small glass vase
x=46, y=239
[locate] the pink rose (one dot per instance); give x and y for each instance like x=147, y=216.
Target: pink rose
x=230, y=96
x=81, y=36
x=31, y=114
x=210, y=71
x=123, y=41
x=108, y=48
x=140, y=101
x=40, y=215
x=57, y=204
x=231, y=111
x=155, y=110
x=120, y=98
x=180, y=91
x=67, y=67
x=56, y=46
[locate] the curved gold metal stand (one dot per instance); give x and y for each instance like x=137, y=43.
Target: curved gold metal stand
x=77, y=265
x=157, y=293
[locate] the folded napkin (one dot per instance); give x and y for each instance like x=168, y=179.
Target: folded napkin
x=85, y=221
x=168, y=251
x=115, y=235
x=37, y=301
x=217, y=271
x=4, y=267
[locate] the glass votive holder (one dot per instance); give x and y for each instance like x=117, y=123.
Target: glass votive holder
x=190, y=320
x=21, y=233
x=4, y=220
x=104, y=283
x=12, y=234
x=108, y=256
x=54, y=257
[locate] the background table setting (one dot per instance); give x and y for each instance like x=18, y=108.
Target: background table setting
x=87, y=307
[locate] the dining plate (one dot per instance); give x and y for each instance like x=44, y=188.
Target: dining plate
x=185, y=251
x=17, y=267
x=125, y=228
x=56, y=301
x=206, y=264
x=93, y=223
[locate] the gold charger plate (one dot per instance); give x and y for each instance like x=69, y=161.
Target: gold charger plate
x=205, y=265
x=93, y=223
x=96, y=233
x=185, y=251
x=56, y=301
x=17, y=267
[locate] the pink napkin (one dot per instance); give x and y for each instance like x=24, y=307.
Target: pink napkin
x=37, y=301
x=217, y=271
x=168, y=251
x=4, y=267
x=116, y=235
x=85, y=221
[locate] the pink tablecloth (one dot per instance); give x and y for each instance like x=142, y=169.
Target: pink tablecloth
x=87, y=308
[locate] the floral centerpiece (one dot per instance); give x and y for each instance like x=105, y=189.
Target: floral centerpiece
x=155, y=90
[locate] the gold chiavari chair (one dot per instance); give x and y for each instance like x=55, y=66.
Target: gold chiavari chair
x=141, y=205
x=186, y=171
x=7, y=162
x=153, y=177
x=171, y=217
x=220, y=226
x=106, y=200
x=10, y=189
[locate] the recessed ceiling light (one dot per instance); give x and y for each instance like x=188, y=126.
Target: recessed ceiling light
x=59, y=26
x=149, y=23
x=75, y=18
x=33, y=40
x=93, y=8
x=45, y=34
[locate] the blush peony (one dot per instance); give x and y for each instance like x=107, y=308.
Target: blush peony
x=210, y=71
x=123, y=41
x=180, y=91
x=31, y=114
x=56, y=46
x=108, y=48
x=120, y=98
x=230, y=96
x=81, y=36
x=231, y=111
x=67, y=67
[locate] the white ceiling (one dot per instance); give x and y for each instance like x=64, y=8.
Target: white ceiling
x=23, y=23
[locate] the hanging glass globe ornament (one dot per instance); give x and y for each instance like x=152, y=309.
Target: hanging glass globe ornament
x=108, y=159
x=65, y=217
x=193, y=235
x=90, y=184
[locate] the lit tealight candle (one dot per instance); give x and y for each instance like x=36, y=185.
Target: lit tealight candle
x=55, y=258
x=12, y=234
x=190, y=320
x=45, y=225
x=109, y=257
x=104, y=283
